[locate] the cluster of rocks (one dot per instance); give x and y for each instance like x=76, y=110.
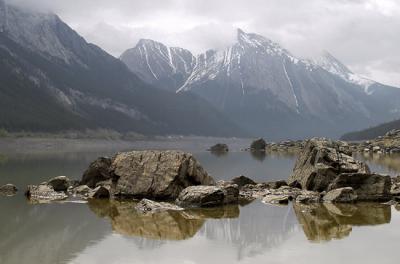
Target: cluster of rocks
x=325, y=171
x=293, y=146
x=387, y=144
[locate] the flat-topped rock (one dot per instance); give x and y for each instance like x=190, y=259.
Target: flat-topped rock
x=201, y=196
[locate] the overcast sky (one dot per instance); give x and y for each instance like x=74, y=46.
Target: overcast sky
x=364, y=34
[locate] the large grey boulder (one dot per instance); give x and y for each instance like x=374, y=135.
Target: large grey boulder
x=201, y=196
x=367, y=187
x=341, y=195
x=320, y=163
x=155, y=174
x=98, y=171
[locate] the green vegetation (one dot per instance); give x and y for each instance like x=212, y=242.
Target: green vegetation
x=372, y=132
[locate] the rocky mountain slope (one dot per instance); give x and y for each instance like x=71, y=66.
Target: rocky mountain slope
x=373, y=132
x=53, y=80
x=266, y=89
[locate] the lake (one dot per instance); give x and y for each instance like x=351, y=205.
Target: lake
x=112, y=232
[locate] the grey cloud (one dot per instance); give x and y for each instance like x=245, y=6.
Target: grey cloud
x=364, y=34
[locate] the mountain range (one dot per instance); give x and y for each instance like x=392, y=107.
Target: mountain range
x=264, y=88
x=52, y=80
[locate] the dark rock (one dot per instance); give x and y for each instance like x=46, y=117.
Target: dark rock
x=149, y=206
x=60, y=183
x=258, y=145
x=156, y=174
x=367, y=187
x=341, y=195
x=99, y=192
x=8, y=190
x=201, y=196
x=242, y=181
x=320, y=162
x=277, y=184
x=231, y=192
x=219, y=148
x=99, y=170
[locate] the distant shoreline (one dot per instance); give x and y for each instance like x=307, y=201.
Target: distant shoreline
x=60, y=145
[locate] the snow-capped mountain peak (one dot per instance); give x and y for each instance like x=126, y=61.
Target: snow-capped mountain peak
x=331, y=64
x=252, y=40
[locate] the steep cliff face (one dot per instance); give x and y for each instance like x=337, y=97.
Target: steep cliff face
x=52, y=79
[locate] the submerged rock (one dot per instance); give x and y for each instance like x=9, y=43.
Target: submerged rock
x=149, y=206
x=8, y=190
x=156, y=174
x=341, y=195
x=320, y=163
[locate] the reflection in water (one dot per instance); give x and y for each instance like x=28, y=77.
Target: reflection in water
x=323, y=222
x=3, y=159
x=383, y=163
x=258, y=155
x=166, y=225
x=112, y=232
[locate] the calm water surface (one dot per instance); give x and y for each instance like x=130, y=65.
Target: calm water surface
x=112, y=232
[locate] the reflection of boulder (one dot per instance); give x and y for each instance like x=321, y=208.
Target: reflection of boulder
x=164, y=225
x=334, y=221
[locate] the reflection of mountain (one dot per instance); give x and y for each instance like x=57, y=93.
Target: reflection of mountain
x=45, y=234
x=167, y=225
x=259, y=227
x=334, y=221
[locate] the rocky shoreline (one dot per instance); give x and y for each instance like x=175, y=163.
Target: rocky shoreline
x=325, y=172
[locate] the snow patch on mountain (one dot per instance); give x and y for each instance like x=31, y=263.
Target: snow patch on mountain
x=329, y=63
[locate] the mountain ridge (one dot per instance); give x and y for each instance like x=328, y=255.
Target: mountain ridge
x=262, y=86
x=53, y=80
